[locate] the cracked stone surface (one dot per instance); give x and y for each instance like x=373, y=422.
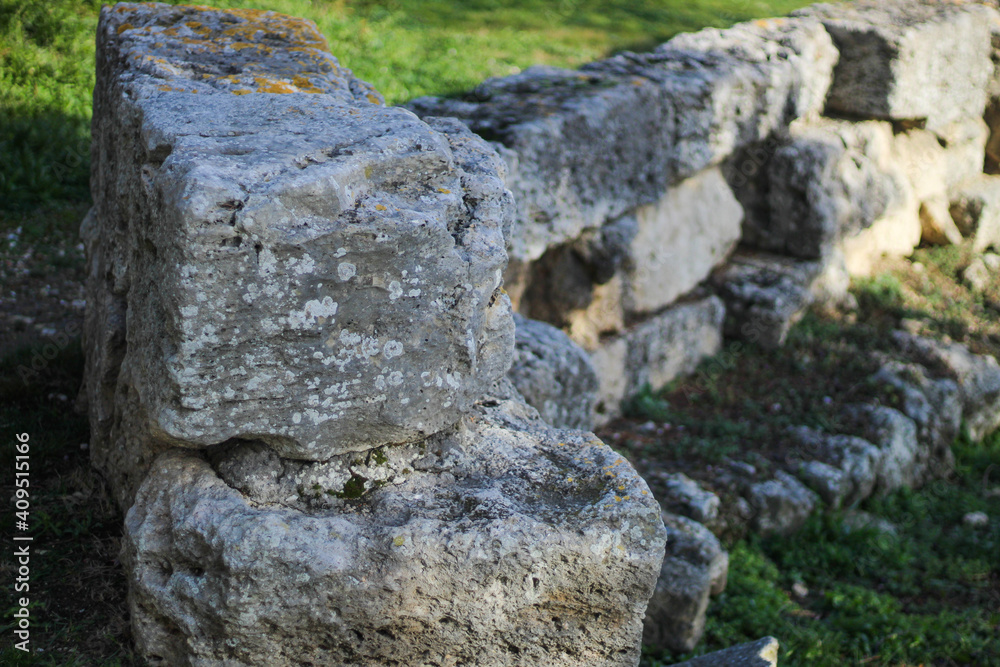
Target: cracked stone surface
x=310, y=269
x=507, y=542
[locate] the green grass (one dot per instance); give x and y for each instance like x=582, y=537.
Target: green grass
x=929, y=595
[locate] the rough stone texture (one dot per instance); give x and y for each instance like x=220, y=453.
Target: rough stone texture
x=780, y=505
x=761, y=653
x=832, y=180
x=315, y=271
x=978, y=378
x=587, y=146
x=694, y=567
x=505, y=543
x=903, y=459
x=682, y=495
x=679, y=240
x=766, y=294
x=935, y=405
x=842, y=469
x=908, y=59
x=975, y=207
x=656, y=351
x=555, y=376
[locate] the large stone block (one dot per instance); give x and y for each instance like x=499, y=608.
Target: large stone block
x=830, y=181
x=656, y=351
x=679, y=240
x=503, y=542
x=584, y=147
x=554, y=374
x=908, y=60
x=311, y=269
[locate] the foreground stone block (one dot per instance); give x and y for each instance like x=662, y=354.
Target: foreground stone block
x=761, y=653
x=908, y=60
x=694, y=567
x=554, y=375
x=656, y=351
x=504, y=543
x=585, y=147
x=312, y=269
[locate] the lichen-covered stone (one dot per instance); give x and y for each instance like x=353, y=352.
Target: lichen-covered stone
x=695, y=566
x=585, y=147
x=507, y=543
x=908, y=59
x=309, y=269
x=555, y=376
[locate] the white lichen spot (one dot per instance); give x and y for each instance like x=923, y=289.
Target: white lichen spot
x=189, y=311
x=346, y=270
x=313, y=310
x=297, y=418
x=395, y=378
x=340, y=252
x=306, y=265
x=395, y=290
x=413, y=293
x=392, y=349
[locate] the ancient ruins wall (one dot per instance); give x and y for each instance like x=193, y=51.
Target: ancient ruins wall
x=764, y=164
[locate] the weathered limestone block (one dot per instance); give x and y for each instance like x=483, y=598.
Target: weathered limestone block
x=848, y=466
x=975, y=208
x=936, y=163
x=504, y=543
x=978, y=378
x=908, y=60
x=761, y=653
x=903, y=458
x=656, y=351
x=766, y=294
x=554, y=374
x=637, y=264
x=694, y=567
x=679, y=494
x=680, y=239
x=780, y=505
x=313, y=270
x=585, y=147
x=831, y=181
x=935, y=406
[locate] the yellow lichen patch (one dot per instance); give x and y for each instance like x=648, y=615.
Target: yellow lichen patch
x=399, y=541
x=373, y=98
x=444, y=191
x=379, y=207
x=266, y=85
x=123, y=27
x=305, y=85
x=198, y=28
x=241, y=91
